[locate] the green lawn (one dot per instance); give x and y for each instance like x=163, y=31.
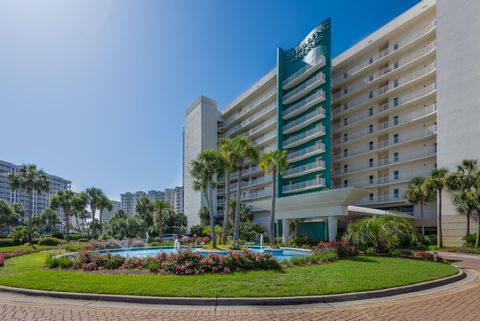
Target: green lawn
x=347, y=275
x=25, y=247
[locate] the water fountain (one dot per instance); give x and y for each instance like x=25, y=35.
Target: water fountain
x=146, y=240
x=261, y=241
x=177, y=246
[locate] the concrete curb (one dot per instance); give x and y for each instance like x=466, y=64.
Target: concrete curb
x=241, y=301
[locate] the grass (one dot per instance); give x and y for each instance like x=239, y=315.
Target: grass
x=26, y=247
x=347, y=275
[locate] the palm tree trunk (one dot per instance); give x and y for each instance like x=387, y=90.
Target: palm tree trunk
x=439, y=218
x=227, y=208
x=213, y=237
x=30, y=213
x=477, y=240
x=272, y=210
x=236, y=230
x=67, y=219
x=160, y=219
x=468, y=223
x=421, y=221
x=94, y=210
x=101, y=221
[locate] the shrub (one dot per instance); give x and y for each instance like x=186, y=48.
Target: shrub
x=329, y=255
x=154, y=244
x=302, y=241
x=62, y=262
x=197, y=230
x=73, y=248
x=8, y=242
x=57, y=235
x=431, y=239
x=9, y=255
x=370, y=251
x=250, y=231
x=83, y=240
x=51, y=241
x=342, y=248
x=152, y=266
x=384, y=233
x=469, y=240
x=114, y=261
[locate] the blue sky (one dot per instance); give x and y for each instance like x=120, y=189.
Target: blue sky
x=96, y=90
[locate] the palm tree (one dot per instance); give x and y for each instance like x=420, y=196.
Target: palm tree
x=30, y=179
x=437, y=182
x=50, y=219
x=79, y=210
x=274, y=162
x=9, y=215
x=120, y=214
x=161, y=208
x=464, y=178
x=465, y=205
x=66, y=200
x=419, y=193
x=94, y=197
x=227, y=150
x=208, y=165
x=144, y=209
x=104, y=204
x=243, y=150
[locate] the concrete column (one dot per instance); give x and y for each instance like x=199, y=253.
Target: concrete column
x=286, y=231
x=332, y=228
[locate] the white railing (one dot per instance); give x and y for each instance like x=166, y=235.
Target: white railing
x=318, y=94
x=318, y=182
x=305, y=151
x=403, y=138
x=257, y=194
x=251, y=119
x=318, y=77
x=319, y=111
x=319, y=129
x=381, y=199
x=402, y=43
x=258, y=128
x=320, y=164
x=264, y=138
x=387, y=161
x=253, y=104
x=403, y=177
x=303, y=70
x=382, y=72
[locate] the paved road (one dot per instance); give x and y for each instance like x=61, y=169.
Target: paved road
x=458, y=302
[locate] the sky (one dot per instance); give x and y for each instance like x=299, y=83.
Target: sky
x=95, y=91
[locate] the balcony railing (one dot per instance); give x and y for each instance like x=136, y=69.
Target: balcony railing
x=319, y=130
x=306, y=152
x=304, y=104
x=252, y=105
x=264, y=138
x=381, y=199
x=382, y=72
x=249, y=120
x=304, y=169
x=403, y=177
x=302, y=186
x=260, y=127
x=403, y=138
x=257, y=194
x=393, y=85
x=296, y=92
x=304, y=71
x=424, y=153
x=303, y=121
x=409, y=39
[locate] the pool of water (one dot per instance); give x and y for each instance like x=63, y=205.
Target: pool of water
x=279, y=254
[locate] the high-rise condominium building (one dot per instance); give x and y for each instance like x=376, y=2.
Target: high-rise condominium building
x=107, y=215
x=40, y=201
x=399, y=103
x=170, y=195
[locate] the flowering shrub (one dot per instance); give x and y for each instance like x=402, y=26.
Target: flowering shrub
x=9, y=255
x=343, y=248
x=193, y=241
x=182, y=263
x=113, y=244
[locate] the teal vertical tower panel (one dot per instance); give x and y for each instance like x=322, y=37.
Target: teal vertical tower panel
x=304, y=112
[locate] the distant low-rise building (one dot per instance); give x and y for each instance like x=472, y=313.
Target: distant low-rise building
x=174, y=196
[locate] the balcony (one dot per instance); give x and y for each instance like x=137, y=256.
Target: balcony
x=304, y=104
x=252, y=119
x=304, y=121
x=394, y=122
x=404, y=43
x=304, y=186
x=303, y=153
x=407, y=60
x=384, y=144
x=304, y=169
x=304, y=88
x=395, y=85
x=258, y=129
x=303, y=73
x=267, y=192
x=304, y=137
x=264, y=139
x=404, y=177
x=384, y=162
x=380, y=199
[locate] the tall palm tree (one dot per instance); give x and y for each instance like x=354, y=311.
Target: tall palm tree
x=227, y=150
x=244, y=150
x=94, y=197
x=437, y=182
x=79, y=210
x=463, y=179
x=66, y=200
x=161, y=208
x=120, y=214
x=274, y=162
x=144, y=209
x=208, y=165
x=419, y=193
x=50, y=219
x=104, y=204
x=9, y=215
x=30, y=179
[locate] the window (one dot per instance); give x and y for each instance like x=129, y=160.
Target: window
x=345, y=183
x=345, y=106
x=370, y=197
x=370, y=179
x=395, y=65
x=395, y=46
x=396, y=193
x=370, y=78
x=345, y=137
x=370, y=111
x=395, y=139
x=345, y=168
x=395, y=83
x=345, y=90
x=396, y=174
x=345, y=75
x=345, y=152
x=345, y=121
x=370, y=128
x=370, y=94
x=395, y=102
x=396, y=157
x=370, y=61
x=370, y=145
x=435, y=147
x=395, y=120
x=370, y=162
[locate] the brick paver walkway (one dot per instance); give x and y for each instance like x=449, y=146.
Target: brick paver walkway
x=458, y=303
